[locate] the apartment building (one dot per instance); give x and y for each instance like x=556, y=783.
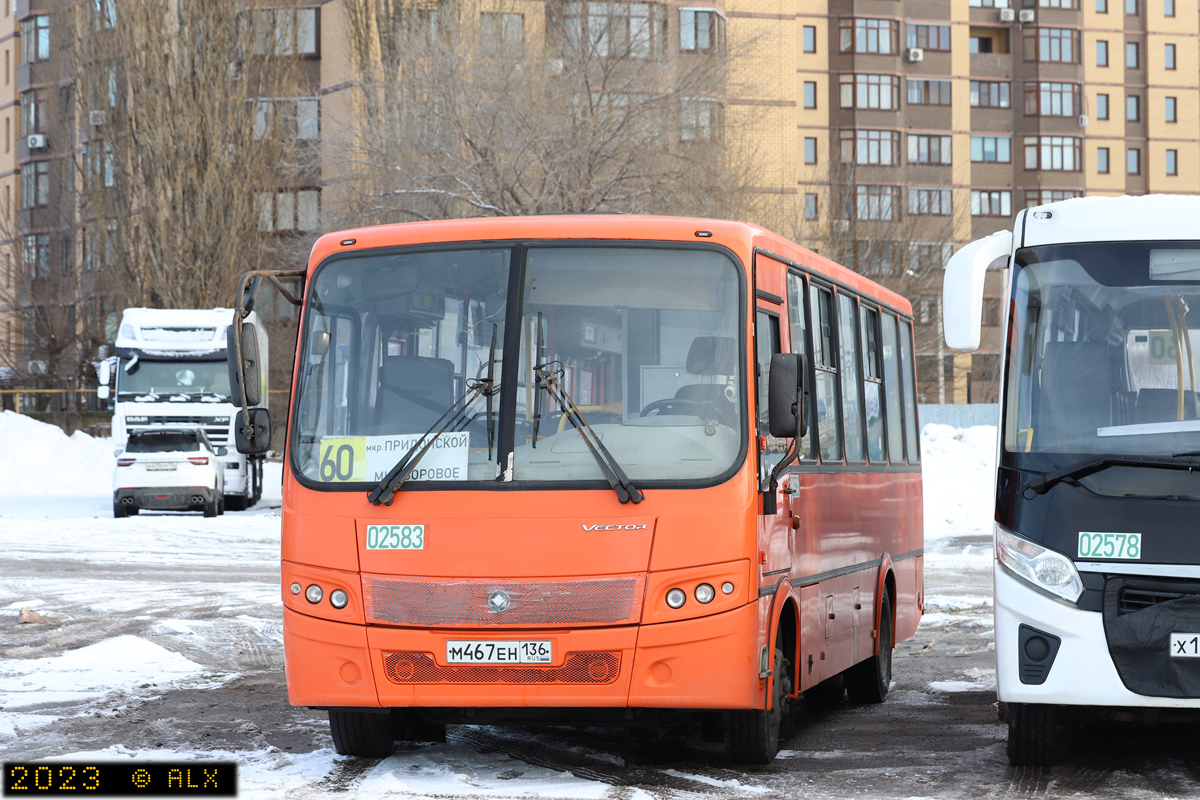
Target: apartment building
x=885, y=132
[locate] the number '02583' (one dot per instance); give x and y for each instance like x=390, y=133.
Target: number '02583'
x=395, y=537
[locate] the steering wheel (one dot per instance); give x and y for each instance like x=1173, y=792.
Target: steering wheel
x=682, y=406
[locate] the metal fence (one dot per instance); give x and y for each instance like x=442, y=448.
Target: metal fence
x=960, y=415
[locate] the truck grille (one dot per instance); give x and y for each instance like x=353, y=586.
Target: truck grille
x=217, y=432
x=531, y=603
x=578, y=668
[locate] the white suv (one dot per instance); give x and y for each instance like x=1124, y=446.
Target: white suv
x=171, y=469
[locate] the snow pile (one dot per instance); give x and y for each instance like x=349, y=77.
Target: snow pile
x=37, y=458
x=959, y=475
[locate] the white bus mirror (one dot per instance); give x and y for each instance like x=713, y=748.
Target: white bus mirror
x=962, y=289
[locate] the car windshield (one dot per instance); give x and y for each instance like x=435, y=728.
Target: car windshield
x=644, y=339
x=173, y=377
x=162, y=442
x=1103, y=351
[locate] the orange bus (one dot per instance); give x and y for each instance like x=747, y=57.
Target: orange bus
x=602, y=469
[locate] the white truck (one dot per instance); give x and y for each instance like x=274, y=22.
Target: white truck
x=171, y=371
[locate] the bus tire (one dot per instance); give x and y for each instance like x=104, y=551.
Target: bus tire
x=359, y=733
x=1030, y=734
x=754, y=735
x=868, y=681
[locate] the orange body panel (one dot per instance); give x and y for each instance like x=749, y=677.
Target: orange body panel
x=836, y=540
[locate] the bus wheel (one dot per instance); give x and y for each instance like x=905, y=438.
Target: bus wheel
x=359, y=733
x=868, y=681
x=754, y=735
x=1030, y=734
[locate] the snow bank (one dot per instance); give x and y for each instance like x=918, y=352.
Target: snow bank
x=37, y=458
x=959, y=474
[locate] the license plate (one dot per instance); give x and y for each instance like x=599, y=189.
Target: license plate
x=159, y=465
x=1185, y=645
x=506, y=652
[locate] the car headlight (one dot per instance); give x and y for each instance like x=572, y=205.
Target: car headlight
x=1046, y=569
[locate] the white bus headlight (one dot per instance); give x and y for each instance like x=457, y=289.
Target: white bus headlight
x=1047, y=570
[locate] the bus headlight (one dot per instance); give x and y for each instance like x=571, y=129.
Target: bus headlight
x=1046, y=569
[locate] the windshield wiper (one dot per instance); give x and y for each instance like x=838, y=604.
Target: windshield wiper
x=1088, y=466
x=455, y=418
x=616, y=477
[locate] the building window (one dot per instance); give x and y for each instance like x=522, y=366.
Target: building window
x=104, y=13
x=1068, y=4
x=701, y=120
x=810, y=150
x=992, y=148
x=1101, y=6
x=880, y=92
x=991, y=203
x=989, y=94
x=287, y=119
x=1102, y=160
x=875, y=202
x=1101, y=53
x=810, y=205
x=988, y=3
x=1052, y=99
x=1052, y=44
x=810, y=39
x=810, y=94
x=33, y=112
x=1131, y=7
x=1169, y=56
x=927, y=92
x=929, y=202
x=37, y=255
x=283, y=31
x=1170, y=110
x=618, y=29
x=1172, y=162
x=924, y=148
x=35, y=39
x=1131, y=55
x=1102, y=106
x=35, y=184
x=1133, y=108
x=288, y=211
x=868, y=36
x=502, y=32
x=1133, y=161
x=979, y=44
x=1040, y=197
x=1168, y=8
x=701, y=30
x=98, y=164
x=1053, y=153
x=929, y=37
x=876, y=148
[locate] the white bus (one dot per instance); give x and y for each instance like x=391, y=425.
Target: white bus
x=1097, y=552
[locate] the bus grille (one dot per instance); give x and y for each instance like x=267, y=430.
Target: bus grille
x=1135, y=599
x=579, y=668
x=574, y=601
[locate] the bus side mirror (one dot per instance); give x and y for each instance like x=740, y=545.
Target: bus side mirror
x=244, y=375
x=962, y=289
x=252, y=434
x=785, y=391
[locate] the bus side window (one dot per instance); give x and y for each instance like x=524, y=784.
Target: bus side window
x=910, y=394
x=766, y=344
x=872, y=384
x=798, y=328
x=891, y=386
x=851, y=390
x=825, y=390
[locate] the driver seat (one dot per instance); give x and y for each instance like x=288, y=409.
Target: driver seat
x=711, y=356
x=414, y=392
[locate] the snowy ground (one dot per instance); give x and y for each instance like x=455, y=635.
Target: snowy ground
x=170, y=647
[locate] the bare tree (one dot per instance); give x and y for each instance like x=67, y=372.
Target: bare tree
x=459, y=111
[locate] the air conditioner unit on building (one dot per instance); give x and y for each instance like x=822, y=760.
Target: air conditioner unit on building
x=97, y=117
x=841, y=225
x=1083, y=120
x=1025, y=15
x=36, y=141
x=915, y=54
x=1008, y=15
x=37, y=367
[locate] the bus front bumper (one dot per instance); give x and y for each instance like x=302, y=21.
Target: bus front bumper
x=705, y=663
x=1082, y=674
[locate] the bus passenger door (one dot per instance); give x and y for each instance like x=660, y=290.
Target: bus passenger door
x=773, y=529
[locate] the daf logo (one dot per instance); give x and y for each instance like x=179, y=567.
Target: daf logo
x=498, y=601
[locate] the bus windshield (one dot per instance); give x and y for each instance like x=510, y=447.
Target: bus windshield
x=1103, y=351
x=646, y=340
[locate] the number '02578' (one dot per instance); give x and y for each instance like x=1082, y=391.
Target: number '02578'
x=395, y=537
